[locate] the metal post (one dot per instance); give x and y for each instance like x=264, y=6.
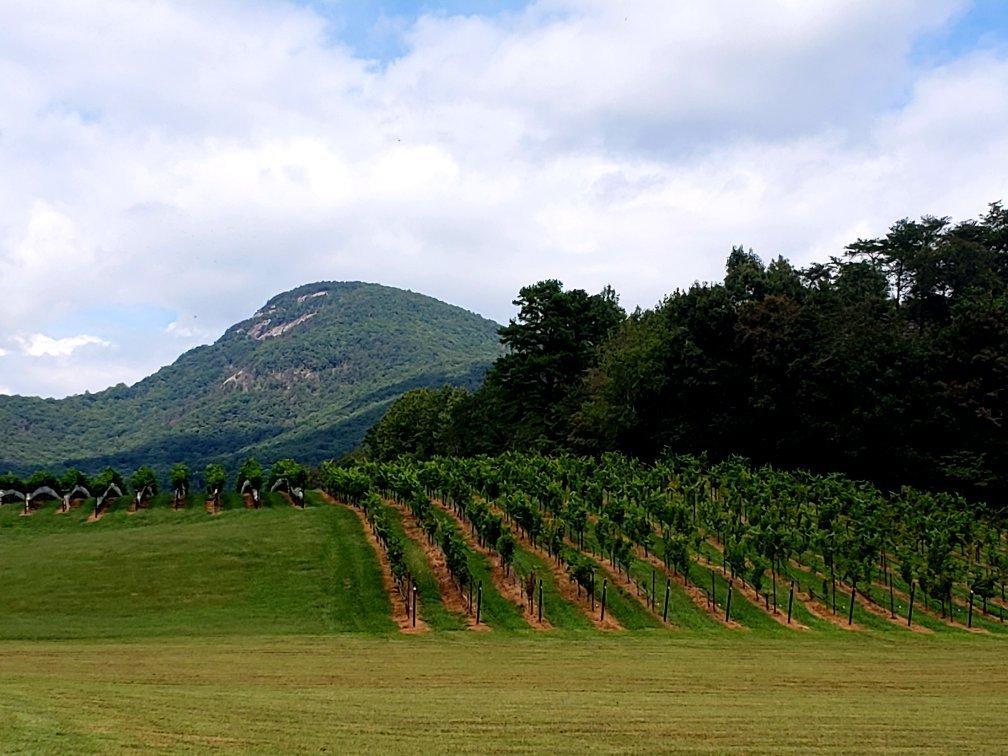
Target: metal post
x=605, y=582
x=790, y=602
x=727, y=611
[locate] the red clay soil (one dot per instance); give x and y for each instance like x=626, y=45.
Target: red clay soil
x=567, y=588
x=249, y=501
x=134, y=507
x=290, y=499
x=399, y=614
x=507, y=588
x=451, y=595
x=821, y=611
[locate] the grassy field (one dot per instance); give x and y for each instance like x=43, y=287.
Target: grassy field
x=268, y=630
x=478, y=692
x=167, y=573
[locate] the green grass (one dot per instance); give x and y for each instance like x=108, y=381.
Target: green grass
x=489, y=692
x=268, y=630
x=161, y=572
x=560, y=613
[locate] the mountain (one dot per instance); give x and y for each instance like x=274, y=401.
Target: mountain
x=304, y=377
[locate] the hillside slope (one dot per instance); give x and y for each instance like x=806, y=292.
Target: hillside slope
x=305, y=376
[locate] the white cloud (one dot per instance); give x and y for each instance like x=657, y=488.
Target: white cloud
x=40, y=345
x=201, y=157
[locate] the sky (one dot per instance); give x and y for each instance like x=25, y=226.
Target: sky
x=166, y=167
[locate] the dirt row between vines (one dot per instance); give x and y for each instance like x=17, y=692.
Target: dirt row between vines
x=569, y=590
x=451, y=595
x=507, y=587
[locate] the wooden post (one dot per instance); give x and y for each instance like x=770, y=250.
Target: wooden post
x=605, y=582
x=531, y=590
x=414, y=605
x=913, y=587
x=593, y=592
x=727, y=611
x=833, y=584
x=540, y=599
x=479, y=601
x=652, y=589
x=969, y=622
x=850, y=609
x=668, y=587
x=790, y=602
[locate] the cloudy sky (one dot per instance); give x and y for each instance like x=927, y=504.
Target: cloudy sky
x=165, y=167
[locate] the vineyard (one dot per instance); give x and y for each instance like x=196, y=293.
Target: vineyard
x=352, y=604
x=533, y=543
x=683, y=545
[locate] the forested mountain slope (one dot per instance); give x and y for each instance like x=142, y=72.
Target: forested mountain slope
x=305, y=377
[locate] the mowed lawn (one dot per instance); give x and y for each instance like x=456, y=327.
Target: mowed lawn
x=168, y=573
x=478, y=692
x=269, y=631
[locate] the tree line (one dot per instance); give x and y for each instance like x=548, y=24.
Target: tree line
x=888, y=363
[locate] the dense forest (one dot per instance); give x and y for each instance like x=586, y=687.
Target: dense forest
x=887, y=363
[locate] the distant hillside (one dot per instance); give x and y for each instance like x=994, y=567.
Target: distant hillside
x=305, y=376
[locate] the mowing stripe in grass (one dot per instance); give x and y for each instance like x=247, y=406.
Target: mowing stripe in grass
x=560, y=612
x=630, y=612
